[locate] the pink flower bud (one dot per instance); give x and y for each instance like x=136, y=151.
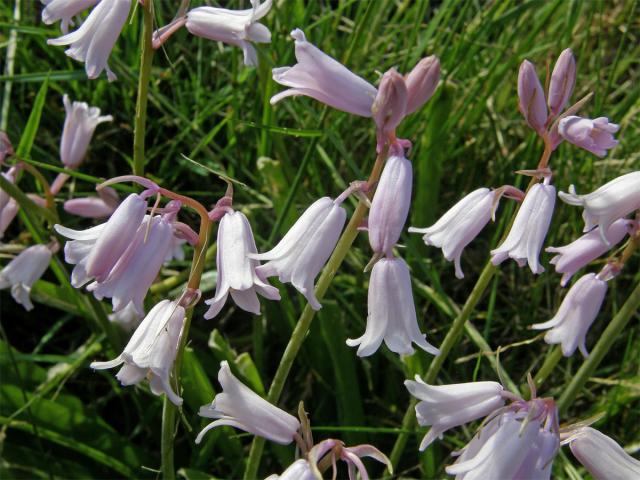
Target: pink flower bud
x=7, y=214
x=390, y=104
x=460, y=225
x=64, y=11
x=303, y=251
x=390, y=205
x=611, y=201
x=93, y=41
x=595, y=136
x=319, y=76
x=525, y=239
x=79, y=124
x=587, y=248
x=237, y=272
x=240, y=407
x=531, y=99
x=151, y=351
x=602, y=456
x=577, y=312
x=392, y=313
x=562, y=81
x=422, y=82
x=23, y=271
x=448, y=406
x=235, y=27
x=94, y=207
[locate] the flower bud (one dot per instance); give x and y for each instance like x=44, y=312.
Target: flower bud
x=390, y=105
x=562, y=81
x=531, y=97
x=422, y=82
x=602, y=456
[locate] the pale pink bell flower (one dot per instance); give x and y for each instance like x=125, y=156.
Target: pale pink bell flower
x=237, y=272
x=525, y=239
x=298, y=470
x=448, y=406
x=305, y=248
x=390, y=205
x=577, y=312
x=151, y=351
x=462, y=223
x=94, y=207
x=337, y=450
x=240, y=407
x=595, y=136
x=63, y=11
x=93, y=41
x=563, y=79
x=611, y=201
x=579, y=253
x=422, y=82
x=23, y=271
x=234, y=27
x=79, y=124
x=531, y=101
x=391, y=312
x=7, y=214
x=319, y=76
x=602, y=456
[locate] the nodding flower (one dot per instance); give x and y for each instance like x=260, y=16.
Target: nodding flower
x=23, y=271
x=64, y=11
x=595, y=136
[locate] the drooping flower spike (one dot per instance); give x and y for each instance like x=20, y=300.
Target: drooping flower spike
x=152, y=350
x=93, y=41
x=24, y=270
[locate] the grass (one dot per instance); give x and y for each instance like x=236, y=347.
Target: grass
x=204, y=105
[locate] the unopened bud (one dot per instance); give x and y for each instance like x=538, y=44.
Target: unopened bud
x=422, y=82
x=531, y=97
x=563, y=79
x=390, y=105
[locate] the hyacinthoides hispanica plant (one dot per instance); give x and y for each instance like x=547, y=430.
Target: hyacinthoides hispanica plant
x=120, y=259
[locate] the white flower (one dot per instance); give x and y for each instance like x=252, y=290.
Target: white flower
x=602, y=456
x=447, y=406
x=460, y=225
x=529, y=229
x=392, y=313
x=63, y=10
x=79, y=124
x=93, y=41
x=23, y=271
x=235, y=27
x=240, y=407
x=303, y=251
x=237, y=272
x=577, y=312
x=611, y=201
x=319, y=76
x=152, y=350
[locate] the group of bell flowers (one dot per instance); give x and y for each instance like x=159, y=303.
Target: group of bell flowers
x=121, y=258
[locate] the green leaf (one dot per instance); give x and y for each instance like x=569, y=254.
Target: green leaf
x=31, y=128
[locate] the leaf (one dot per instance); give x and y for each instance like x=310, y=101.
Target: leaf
x=31, y=128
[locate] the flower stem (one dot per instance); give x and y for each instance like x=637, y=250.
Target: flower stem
x=604, y=344
x=143, y=88
x=304, y=322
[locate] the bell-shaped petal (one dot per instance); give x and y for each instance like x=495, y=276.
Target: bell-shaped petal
x=306, y=247
x=460, y=225
x=579, y=253
x=64, y=11
x=93, y=207
x=235, y=27
x=298, y=470
x=128, y=318
x=611, y=201
x=236, y=271
x=7, y=214
x=392, y=313
x=595, y=136
x=240, y=407
x=152, y=350
x=422, y=82
x=93, y=41
x=390, y=205
x=319, y=76
x=577, y=312
x=531, y=101
x=602, y=456
x=79, y=124
x=562, y=81
x=447, y=406
x=529, y=229
x=390, y=104
x=23, y=271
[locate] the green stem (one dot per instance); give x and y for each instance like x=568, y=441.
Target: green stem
x=143, y=89
x=603, y=346
x=552, y=359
